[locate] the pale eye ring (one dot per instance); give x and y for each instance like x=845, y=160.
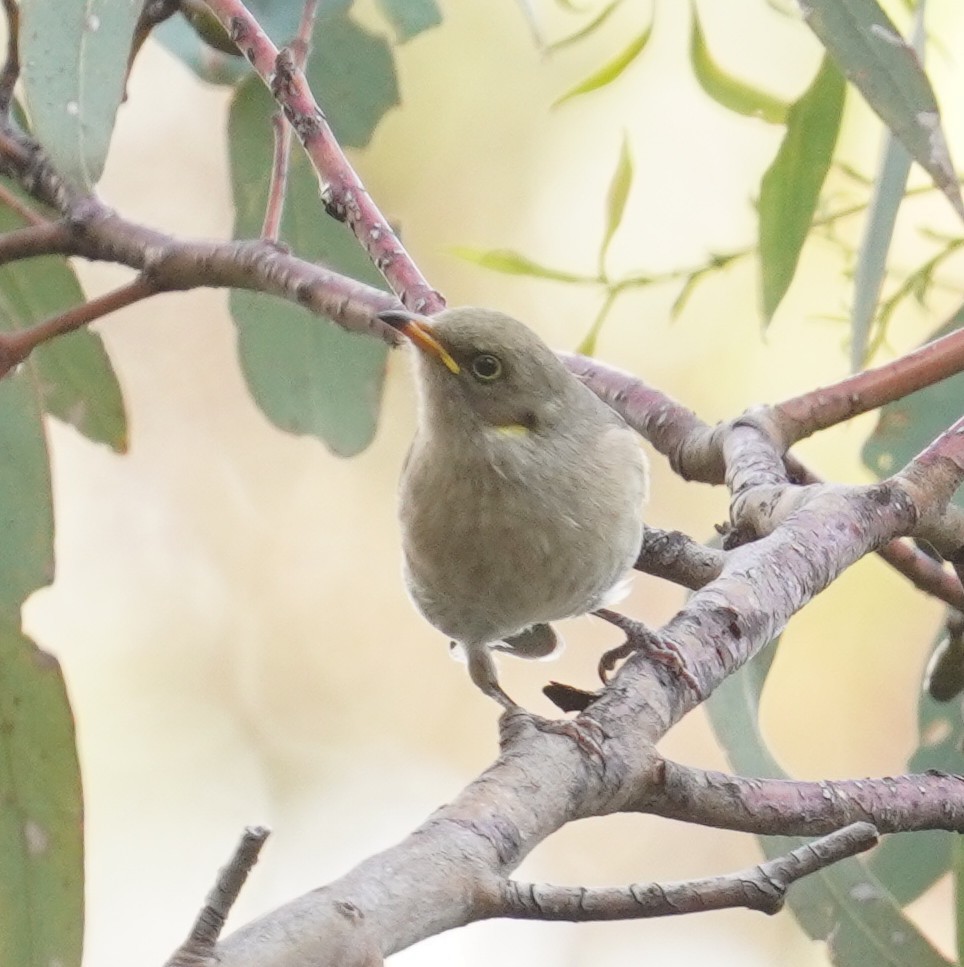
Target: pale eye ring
x=486, y=367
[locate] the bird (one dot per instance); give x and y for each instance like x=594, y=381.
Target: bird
x=521, y=497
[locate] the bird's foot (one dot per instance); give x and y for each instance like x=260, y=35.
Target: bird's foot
x=640, y=638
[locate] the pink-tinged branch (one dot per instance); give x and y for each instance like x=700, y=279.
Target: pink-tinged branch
x=16, y=346
x=762, y=887
x=787, y=807
x=804, y=415
x=342, y=192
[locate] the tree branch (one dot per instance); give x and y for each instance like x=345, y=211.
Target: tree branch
x=769, y=807
x=343, y=194
x=15, y=347
x=761, y=887
x=197, y=949
x=804, y=415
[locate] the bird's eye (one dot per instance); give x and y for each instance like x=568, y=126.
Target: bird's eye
x=486, y=367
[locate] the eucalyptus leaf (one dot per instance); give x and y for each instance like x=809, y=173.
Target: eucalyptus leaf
x=73, y=56
x=589, y=29
x=609, y=71
x=510, y=262
x=41, y=810
x=409, y=18
x=307, y=375
x=791, y=185
x=889, y=186
x=727, y=90
x=844, y=904
x=869, y=49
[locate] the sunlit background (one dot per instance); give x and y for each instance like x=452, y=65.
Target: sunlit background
x=228, y=608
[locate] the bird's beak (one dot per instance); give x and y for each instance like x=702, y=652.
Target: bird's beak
x=420, y=331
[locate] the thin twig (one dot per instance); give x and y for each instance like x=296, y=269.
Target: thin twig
x=11, y=67
x=50, y=238
x=804, y=415
x=271, y=228
x=18, y=205
x=199, y=945
x=761, y=887
x=274, y=210
x=15, y=347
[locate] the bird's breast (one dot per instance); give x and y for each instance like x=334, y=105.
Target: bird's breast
x=511, y=530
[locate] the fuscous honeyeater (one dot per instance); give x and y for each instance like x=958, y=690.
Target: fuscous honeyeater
x=522, y=494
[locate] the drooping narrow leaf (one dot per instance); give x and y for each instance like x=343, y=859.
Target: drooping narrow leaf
x=869, y=49
x=610, y=70
x=409, y=18
x=906, y=426
x=509, y=262
x=791, y=186
x=41, y=810
x=888, y=193
x=616, y=197
x=588, y=29
x=73, y=57
x=307, y=375
x=727, y=90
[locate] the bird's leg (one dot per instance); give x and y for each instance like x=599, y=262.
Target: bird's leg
x=482, y=672
x=640, y=638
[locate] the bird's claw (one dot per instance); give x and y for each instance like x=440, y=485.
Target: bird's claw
x=640, y=638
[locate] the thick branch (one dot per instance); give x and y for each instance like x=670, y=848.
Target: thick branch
x=762, y=887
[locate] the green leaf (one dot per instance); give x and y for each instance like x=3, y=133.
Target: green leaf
x=307, y=375
x=352, y=75
x=726, y=90
x=869, y=49
x=410, y=17
x=26, y=503
x=871, y=267
x=610, y=70
x=71, y=375
x=73, y=57
x=844, y=904
x=616, y=197
x=584, y=32
x=509, y=262
x=906, y=426
x=41, y=810
x=791, y=186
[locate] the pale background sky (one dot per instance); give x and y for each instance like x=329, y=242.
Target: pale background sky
x=228, y=607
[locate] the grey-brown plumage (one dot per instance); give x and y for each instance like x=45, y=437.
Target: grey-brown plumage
x=521, y=498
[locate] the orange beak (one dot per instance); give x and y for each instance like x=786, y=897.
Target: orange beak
x=419, y=330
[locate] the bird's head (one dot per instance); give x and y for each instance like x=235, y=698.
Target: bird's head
x=484, y=367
